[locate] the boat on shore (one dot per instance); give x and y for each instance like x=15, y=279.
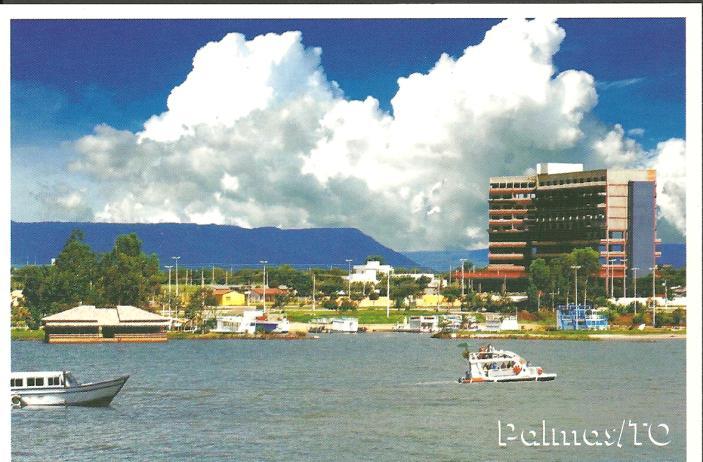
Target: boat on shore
x=491, y=365
x=251, y=322
x=61, y=388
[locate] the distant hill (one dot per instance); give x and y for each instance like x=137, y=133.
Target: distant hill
x=204, y=245
x=672, y=254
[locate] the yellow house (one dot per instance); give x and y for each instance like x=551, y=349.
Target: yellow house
x=233, y=298
x=431, y=300
x=368, y=303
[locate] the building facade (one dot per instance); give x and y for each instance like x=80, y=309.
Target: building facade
x=88, y=324
x=561, y=208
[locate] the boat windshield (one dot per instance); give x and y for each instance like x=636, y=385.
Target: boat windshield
x=70, y=380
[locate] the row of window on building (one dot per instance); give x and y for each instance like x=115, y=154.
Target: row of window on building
x=561, y=181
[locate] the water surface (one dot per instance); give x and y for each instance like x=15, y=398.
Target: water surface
x=349, y=397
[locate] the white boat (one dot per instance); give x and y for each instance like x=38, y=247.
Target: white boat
x=419, y=324
x=491, y=365
x=347, y=325
x=251, y=322
x=60, y=388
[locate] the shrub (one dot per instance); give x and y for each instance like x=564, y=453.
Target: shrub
x=347, y=305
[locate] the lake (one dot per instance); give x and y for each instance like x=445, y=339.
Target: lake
x=355, y=397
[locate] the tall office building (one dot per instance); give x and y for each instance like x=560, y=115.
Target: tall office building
x=562, y=208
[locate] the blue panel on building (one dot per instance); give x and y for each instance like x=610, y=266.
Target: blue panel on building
x=641, y=226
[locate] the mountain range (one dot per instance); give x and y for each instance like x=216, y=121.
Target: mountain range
x=224, y=245
x=205, y=245
x=673, y=254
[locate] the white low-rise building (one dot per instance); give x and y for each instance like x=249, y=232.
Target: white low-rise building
x=368, y=272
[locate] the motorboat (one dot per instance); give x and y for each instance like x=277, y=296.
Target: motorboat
x=61, y=388
x=491, y=365
x=251, y=322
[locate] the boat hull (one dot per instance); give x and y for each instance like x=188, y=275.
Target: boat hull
x=88, y=394
x=537, y=378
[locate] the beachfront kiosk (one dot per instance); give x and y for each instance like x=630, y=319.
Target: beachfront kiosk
x=580, y=317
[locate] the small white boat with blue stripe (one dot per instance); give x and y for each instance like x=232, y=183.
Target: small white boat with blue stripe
x=61, y=388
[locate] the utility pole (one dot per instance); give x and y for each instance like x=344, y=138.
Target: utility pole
x=462, y=260
x=612, y=278
x=213, y=275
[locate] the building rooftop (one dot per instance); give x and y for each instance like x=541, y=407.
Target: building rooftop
x=90, y=315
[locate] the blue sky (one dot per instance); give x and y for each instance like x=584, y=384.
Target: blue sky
x=120, y=72
x=67, y=76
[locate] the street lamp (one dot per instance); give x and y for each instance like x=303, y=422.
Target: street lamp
x=349, y=278
x=634, y=279
x=576, y=291
x=169, y=289
x=313, y=290
x=263, y=262
x=388, y=294
x=654, y=296
x=624, y=278
x=612, y=277
x=177, y=296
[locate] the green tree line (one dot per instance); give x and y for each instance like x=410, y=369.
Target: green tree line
x=123, y=276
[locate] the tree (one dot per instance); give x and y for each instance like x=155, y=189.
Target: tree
x=540, y=278
x=200, y=299
x=402, y=288
x=75, y=272
x=330, y=285
x=129, y=276
x=452, y=293
x=378, y=258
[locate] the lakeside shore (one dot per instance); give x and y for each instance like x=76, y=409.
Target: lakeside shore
x=615, y=335
x=299, y=332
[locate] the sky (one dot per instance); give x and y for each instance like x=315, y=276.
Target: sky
x=389, y=126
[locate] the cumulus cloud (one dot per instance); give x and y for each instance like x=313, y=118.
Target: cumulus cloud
x=256, y=135
x=614, y=149
x=669, y=159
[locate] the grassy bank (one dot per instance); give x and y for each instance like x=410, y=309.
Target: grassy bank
x=633, y=334
x=365, y=316
x=26, y=334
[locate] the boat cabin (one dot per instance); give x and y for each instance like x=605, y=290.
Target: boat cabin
x=43, y=379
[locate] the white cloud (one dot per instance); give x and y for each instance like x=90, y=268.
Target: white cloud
x=256, y=135
x=668, y=159
x=635, y=132
x=615, y=150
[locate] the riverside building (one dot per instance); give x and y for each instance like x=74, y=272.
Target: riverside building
x=561, y=208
